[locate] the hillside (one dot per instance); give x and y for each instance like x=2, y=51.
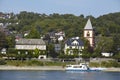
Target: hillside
x=106, y=25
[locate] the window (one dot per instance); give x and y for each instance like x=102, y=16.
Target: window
x=88, y=34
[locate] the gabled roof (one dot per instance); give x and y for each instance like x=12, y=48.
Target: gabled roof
x=88, y=25
x=30, y=42
x=71, y=40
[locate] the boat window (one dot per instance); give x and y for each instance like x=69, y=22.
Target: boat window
x=80, y=66
x=68, y=66
x=77, y=66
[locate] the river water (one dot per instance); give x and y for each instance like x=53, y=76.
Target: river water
x=58, y=75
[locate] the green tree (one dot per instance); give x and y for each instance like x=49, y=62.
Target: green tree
x=33, y=34
x=2, y=40
x=116, y=43
x=51, y=50
x=36, y=53
x=10, y=41
x=104, y=44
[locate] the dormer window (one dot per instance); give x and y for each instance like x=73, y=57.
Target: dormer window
x=75, y=43
x=88, y=34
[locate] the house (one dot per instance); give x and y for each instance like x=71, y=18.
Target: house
x=73, y=46
x=107, y=54
x=57, y=36
x=30, y=45
x=52, y=36
x=4, y=51
x=57, y=47
x=60, y=35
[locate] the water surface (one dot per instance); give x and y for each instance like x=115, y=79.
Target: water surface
x=58, y=75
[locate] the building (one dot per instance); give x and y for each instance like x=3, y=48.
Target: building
x=30, y=44
x=4, y=51
x=89, y=33
x=105, y=54
x=73, y=46
x=60, y=35
x=57, y=36
x=57, y=48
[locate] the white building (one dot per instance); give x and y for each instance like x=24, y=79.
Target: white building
x=30, y=44
x=26, y=45
x=73, y=46
x=107, y=54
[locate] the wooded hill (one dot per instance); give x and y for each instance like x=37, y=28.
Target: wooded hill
x=72, y=25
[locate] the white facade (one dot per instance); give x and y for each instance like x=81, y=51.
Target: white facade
x=107, y=54
x=88, y=34
x=30, y=47
x=73, y=43
x=30, y=44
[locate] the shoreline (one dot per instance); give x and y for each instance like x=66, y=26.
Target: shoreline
x=41, y=68
x=112, y=69
x=48, y=68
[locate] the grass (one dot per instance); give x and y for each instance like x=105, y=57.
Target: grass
x=34, y=63
x=55, y=63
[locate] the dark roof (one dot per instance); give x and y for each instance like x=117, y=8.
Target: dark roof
x=30, y=42
x=69, y=42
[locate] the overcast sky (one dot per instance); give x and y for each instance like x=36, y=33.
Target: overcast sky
x=76, y=7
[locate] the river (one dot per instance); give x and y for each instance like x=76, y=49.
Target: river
x=57, y=75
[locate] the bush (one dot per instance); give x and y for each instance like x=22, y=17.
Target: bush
x=35, y=63
x=2, y=62
x=110, y=64
x=94, y=64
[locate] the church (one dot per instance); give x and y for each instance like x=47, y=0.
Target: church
x=75, y=45
x=89, y=33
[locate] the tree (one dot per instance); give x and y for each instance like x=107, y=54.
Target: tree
x=86, y=52
x=33, y=34
x=10, y=41
x=104, y=44
x=2, y=40
x=116, y=43
x=51, y=50
x=36, y=53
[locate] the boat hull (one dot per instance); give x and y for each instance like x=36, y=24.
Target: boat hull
x=85, y=70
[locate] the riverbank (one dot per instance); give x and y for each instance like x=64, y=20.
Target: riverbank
x=43, y=68
x=31, y=68
x=112, y=70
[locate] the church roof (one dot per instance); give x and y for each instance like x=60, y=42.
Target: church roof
x=88, y=25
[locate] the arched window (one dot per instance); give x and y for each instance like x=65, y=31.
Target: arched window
x=88, y=34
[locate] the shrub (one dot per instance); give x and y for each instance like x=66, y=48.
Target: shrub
x=35, y=63
x=2, y=62
x=94, y=64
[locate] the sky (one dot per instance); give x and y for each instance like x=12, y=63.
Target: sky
x=95, y=8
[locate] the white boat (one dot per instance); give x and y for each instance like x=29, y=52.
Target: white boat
x=81, y=67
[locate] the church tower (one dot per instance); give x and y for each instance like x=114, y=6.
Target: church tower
x=89, y=33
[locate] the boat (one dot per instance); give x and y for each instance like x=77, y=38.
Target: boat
x=82, y=67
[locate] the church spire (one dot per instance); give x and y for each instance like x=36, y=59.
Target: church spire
x=89, y=33
x=88, y=25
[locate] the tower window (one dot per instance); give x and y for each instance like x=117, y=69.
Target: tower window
x=88, y=34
